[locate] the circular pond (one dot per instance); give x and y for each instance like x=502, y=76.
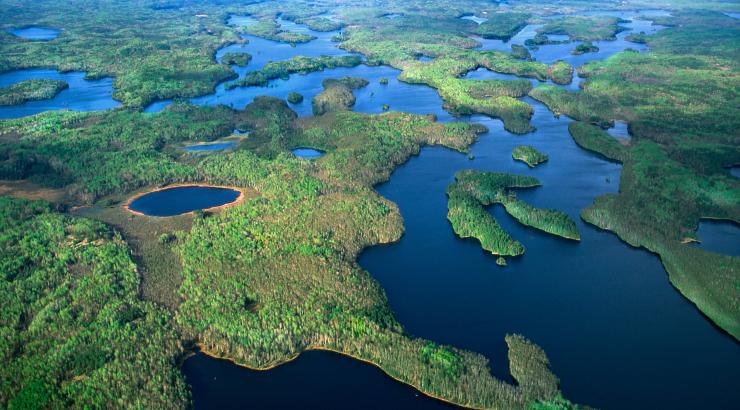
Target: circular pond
x=182, y=199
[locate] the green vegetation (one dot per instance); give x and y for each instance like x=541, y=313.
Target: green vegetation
x=595, y=139
x=639, y=38
x=520, y=52
x=169, y=54
x=276, y=275
x=320, y=24
x=75, y=334
x=240, y=59
x=501, y=261
x=296, y=65
x=529, y=155
x=398, y=42
x=473, y=191
x=585, y=47
x=561, y=72
x=295, y=98
x=383, y=81
x=96, y=154
x=680, y=102
x=503, y=25
x=591, y=28
x=337, y=95
x=31, y=90
x=271, y=30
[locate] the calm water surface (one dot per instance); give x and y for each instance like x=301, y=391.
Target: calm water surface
x=218, y=146
x=309, y=153
x=316, y=380
x=180, y=200
x=35, y=33
x=617, y=334
x=82, y=95
x=719, y=236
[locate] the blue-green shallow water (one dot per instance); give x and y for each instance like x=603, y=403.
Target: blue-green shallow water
x=180, y=200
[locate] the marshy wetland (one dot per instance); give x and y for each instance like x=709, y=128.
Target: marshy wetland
x=287, y=261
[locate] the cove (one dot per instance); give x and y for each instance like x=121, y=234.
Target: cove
x=617, y=333
x=182, y=199
x=82, y=94
x=35, y=33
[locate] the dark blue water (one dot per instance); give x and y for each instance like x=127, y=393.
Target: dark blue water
x=316, y=380
x=308, y=153
x=618, y=335
x=719, y=236
x=218, y=146
x=180, y=200
x=35, y=33
x=82, y=95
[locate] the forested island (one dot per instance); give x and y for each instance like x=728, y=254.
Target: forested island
x=104, y=303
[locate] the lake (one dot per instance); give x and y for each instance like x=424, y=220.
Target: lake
x=82, y=94
x=182, y=199
x=600, y=308
x=617, y=333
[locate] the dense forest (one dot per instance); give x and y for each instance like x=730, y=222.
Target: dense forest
x=101, y=305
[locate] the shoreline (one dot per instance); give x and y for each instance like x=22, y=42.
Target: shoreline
x=211, y=354
x=242, y=196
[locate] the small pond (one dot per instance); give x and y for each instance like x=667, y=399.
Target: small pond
x=216, y=146
x=35, y=33
x=307, y=153
x=720, y=236
x=182, y=199
x=619, y=131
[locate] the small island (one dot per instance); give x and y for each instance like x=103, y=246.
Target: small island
x=585, y=47
x=295, y=98
x=529, y=155
x=31, y=90
x=473, y=191
x=337, y=95
x=238, y=59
